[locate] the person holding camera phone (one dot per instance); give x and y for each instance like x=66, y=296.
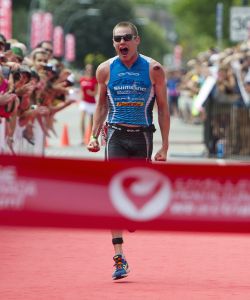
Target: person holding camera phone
x=128, y=86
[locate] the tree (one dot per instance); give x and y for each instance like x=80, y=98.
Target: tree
x=20, y=19
x=196, y=22
x=94, y=32
x=153, y=41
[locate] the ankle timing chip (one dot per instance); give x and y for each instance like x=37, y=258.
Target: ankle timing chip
x=116, y=241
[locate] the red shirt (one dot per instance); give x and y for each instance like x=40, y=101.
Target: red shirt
x=88, y=84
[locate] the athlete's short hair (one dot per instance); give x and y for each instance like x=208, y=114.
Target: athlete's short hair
x=127, y=24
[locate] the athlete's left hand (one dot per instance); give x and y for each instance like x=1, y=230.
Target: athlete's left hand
x=161, y=155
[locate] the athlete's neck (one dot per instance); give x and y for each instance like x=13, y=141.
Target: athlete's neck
x=129, y=63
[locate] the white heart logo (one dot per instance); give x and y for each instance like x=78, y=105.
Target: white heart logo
x=140, y=194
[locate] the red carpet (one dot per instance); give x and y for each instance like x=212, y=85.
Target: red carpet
x=77, y=264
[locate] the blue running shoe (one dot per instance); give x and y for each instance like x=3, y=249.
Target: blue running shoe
x=121, y=267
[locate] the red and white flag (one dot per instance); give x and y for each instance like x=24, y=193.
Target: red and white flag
x=58, y=41
x=6, y=18
x=47, y=26
x=70, y=47
x=41, y=28
x=36, y=28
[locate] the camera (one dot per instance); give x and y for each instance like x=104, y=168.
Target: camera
x=70, y=80
x=7, y=46
x=69, y=83
x=22, y=70
x=6, y=72
x=48, y=68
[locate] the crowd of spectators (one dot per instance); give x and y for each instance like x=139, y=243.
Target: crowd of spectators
x=225, y=110
x=33, y=86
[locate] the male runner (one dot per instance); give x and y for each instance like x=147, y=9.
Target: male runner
x=128, y=86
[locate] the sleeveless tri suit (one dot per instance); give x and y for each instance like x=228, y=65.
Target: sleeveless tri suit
x=131, y=99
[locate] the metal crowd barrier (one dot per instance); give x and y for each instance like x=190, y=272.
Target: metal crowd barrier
x=227, y=130
x=20, y=145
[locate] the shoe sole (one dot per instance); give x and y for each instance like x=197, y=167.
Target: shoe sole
x=122, y=276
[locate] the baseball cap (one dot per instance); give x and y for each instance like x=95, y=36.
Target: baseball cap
x=18, y=52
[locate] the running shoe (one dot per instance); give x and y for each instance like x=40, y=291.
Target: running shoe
x=121, y=267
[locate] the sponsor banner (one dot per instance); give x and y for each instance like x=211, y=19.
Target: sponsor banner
x=124, y=194
x=41, y=28
x=58, y=41
x=36, y=34
x=6, y=18
x=70, y=45
x=48, y=27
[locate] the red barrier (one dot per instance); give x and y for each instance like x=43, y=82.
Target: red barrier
x=124, y=194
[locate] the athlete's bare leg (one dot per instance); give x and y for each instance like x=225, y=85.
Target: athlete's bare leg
x=117, y=247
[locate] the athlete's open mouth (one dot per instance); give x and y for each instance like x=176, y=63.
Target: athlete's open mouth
x=124, y=50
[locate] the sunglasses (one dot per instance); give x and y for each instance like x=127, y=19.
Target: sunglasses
x=126, y=37
x=48, y=50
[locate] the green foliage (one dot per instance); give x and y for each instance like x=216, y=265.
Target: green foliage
x=196, y=23
x=20, y=20
x=153, y=3
x=153, y=41
x=94, y=59
x=20, y=4
x=93, y=33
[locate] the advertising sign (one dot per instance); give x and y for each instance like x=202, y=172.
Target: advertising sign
x=239, y=23
x=6, y=18
x=58, y=41
x=70, y=45
x=124, y=194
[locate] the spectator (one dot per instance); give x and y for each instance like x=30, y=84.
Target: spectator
x=88, y=84
x=48, y=47
x=173, y=84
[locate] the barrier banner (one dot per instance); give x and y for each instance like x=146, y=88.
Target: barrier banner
x=124, y=194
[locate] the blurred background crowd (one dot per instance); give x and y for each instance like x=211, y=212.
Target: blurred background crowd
x=58, y=45
x=214, y=89
x=33, y=86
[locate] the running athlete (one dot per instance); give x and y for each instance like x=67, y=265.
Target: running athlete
x=128, y=86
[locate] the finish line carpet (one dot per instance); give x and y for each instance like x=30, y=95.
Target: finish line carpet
x=68, y=264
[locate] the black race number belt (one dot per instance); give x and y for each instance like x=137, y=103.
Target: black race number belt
x=122, y=128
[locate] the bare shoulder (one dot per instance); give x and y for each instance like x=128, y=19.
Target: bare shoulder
x=157, y=71
x=102, y=72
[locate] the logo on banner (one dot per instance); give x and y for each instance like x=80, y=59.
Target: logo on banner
x=13, y=191
x=140, y=194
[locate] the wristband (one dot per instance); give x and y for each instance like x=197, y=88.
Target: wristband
x=94, y=137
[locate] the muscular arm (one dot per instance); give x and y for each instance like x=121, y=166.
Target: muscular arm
x=102, y=75
x=158, y=78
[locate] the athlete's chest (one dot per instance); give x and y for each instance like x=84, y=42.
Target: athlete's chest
x=124, y=81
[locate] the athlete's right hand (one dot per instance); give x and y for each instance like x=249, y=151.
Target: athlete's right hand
x=93, y=145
